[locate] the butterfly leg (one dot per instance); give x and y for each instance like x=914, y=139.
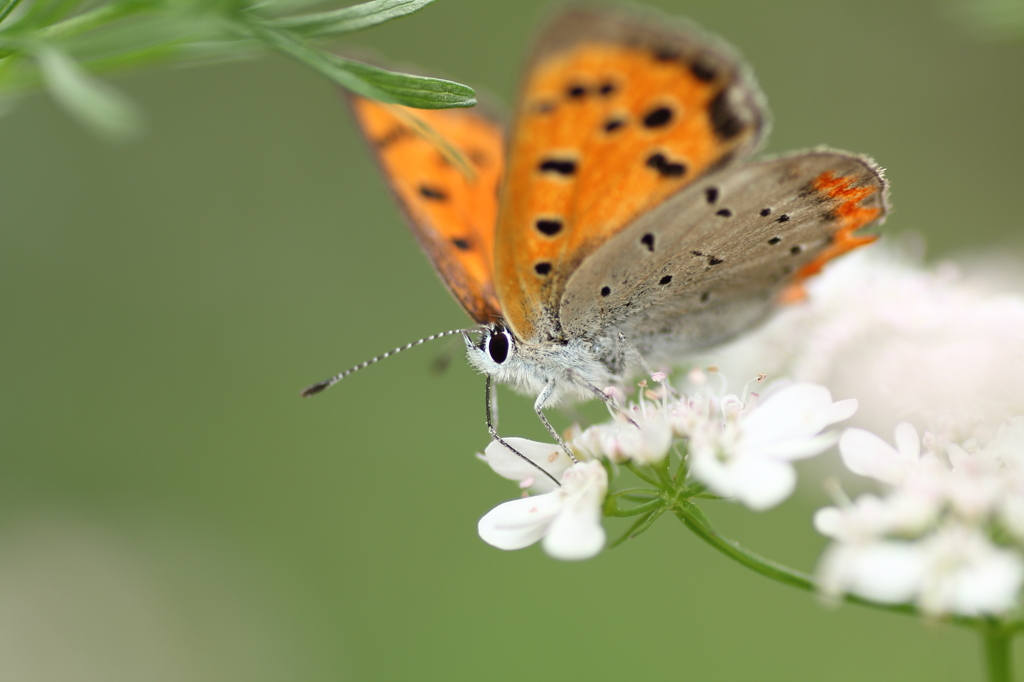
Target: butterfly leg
x=545, y=393
x=491, y=428
x=605, y=398
x=631, y=349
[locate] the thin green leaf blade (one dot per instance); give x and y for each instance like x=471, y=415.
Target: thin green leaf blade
x=95, y=103
x=370, y=81
x=412, y=91
x=349, y=19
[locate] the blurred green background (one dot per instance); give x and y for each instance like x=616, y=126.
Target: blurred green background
x=170, y=509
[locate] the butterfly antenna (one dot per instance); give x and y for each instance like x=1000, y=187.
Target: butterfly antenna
x=327, y=383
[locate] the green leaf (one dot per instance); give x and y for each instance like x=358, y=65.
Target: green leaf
x=348, y=19
x=641, y=524
x=93, y=102
x=413, y=91
x=370, y=81
x=6, y=7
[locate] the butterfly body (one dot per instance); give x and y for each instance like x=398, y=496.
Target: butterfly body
x=621, y=225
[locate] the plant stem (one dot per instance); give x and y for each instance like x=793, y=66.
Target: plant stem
x=997, y=653
x=695, y=520
x=691, y=515
x=643, y=475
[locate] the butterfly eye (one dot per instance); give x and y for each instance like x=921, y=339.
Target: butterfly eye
x=498, y=347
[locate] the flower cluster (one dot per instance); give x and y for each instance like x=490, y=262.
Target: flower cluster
x=947, y=534
x=929, y=346
x=740, y=448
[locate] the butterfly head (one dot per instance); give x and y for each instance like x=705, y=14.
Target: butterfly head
x=499, y=354
x=494, y=353
x=555, y=371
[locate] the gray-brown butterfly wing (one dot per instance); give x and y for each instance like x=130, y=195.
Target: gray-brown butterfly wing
x=713, y=260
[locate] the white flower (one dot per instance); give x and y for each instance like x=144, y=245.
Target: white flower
x=747, y=453
x=967, y=574
x=568, y=519
x=929, y=539
x=884, y=571
x=914, y=344
x=547, y=458
x=646, y=441
x=866, y=454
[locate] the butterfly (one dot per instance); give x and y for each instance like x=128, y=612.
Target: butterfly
x=622, y=224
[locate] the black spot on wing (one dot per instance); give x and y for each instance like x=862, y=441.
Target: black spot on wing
x=784, y=218
x=724, y=212
x=703, y=71
x=461, y=244
x=665, y=280
x=648, y=241
x=478, y=157
x=392, y=136
x=433, y=193
x=605, y=291
x=711, y=194
x=775, y=240
x=548, y=226
x=613, y=124
x=658, y=118
x=724, y=119
x=542, y=268
x=558, y=166
x=665, y=168
x=765, y=212
x=666, y=54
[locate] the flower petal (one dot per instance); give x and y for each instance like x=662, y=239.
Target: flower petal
x=575, y=534
x=989, y=588
x=866, y=454
x=842, y=410
x=828, y=521
x=908, y=443
x=762, y=483
x=519, y=523
x=802, y=448
x=888, y=572
x=548, y=457
x=796, y=410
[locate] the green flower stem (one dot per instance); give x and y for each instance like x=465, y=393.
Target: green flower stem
x=997, y=653
x=691, y=515
x=629, y=493
x=644, y=508
x=643, y=475
x=661, y=469
x=695, y=520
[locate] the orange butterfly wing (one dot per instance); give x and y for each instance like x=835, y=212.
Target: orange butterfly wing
x=615, y=115
x=444, y=168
